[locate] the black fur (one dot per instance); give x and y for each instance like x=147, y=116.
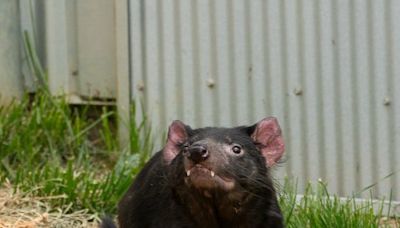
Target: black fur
x=161, y=195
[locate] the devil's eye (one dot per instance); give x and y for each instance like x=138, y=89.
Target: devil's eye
x=236, y=149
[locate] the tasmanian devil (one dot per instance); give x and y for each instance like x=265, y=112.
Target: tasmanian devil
x=208, y=177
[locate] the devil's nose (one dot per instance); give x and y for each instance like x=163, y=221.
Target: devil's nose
x=197, y=153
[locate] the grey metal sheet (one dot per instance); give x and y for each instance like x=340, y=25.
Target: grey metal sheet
x=11, y=81
x=328, y=70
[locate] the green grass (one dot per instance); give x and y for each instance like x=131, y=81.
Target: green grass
x=319, y=208
x=49, y=148
x=46, y=149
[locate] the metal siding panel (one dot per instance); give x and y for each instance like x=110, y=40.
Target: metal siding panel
x=123, y=99
x=327, y=89
x=56, y=48
x=379, y=79
x=324, y=68
x=73, y=77
x=170, y=70
x=152, y=65
x=349, y=106
x=274, y=46
x=79, y=51
x=257, y=73
x=241, y=61
x=310, y=95
x=303, y=180
x=95, y=37
x=214, y=65
x=283, y=82
x=285, y=77
x=276, y=63
x=266, y=59
x=231, y=62
x=11, y=81
x=251, y=64
x=137, y=57
x=394, y=50
x=362, y=74
x=35, y=25
x=187, y=53
x=294, y=166
x=337, y=121
x=204, y=39
x=178, y=66
x=159, y=77
x=224, y=63
x=193, y=27
x=390, y=159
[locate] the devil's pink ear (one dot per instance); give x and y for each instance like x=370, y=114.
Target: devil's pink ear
x=268, y=136
x=177, y=135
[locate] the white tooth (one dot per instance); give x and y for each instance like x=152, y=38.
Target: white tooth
x=188, y=173
x=212, y=174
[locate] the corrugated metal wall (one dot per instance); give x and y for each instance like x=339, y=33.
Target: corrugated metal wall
x=10, y=59
x=81, y=48
x=329, y=70
x=76, y=42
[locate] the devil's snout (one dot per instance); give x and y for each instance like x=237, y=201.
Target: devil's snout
x=197, y=153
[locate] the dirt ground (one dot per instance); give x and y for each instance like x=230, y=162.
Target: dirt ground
x=22, y=211
x=389, y=223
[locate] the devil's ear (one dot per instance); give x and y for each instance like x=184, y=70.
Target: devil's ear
x=267, y=136
x=177, y=135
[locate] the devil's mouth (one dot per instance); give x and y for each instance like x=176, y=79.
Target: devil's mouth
x=201, y=170
x=204, y=177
